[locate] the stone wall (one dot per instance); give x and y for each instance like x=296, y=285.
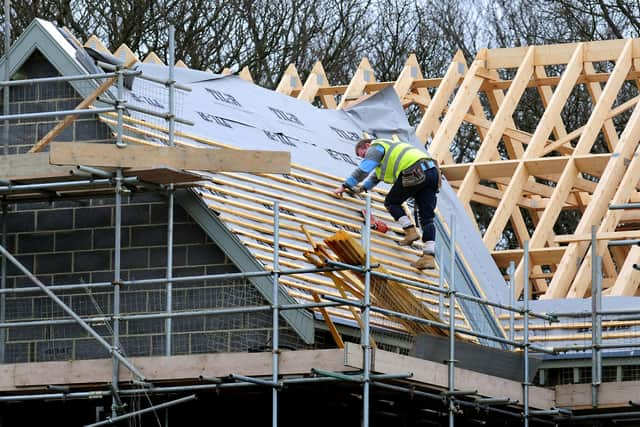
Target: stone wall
x=72, y=242
x=46, y=97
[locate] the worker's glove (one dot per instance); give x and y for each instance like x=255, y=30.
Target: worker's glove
x=357, y=189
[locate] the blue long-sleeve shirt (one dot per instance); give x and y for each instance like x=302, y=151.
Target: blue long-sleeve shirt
x=371, y=160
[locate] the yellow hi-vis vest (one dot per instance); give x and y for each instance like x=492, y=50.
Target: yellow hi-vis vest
x=397, y=157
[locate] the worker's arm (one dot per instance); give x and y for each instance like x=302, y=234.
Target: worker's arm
x=371, y=160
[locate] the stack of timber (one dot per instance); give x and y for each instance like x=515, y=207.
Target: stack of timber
x=389, y=294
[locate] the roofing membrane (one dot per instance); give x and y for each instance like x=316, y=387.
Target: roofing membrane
x=239, y=114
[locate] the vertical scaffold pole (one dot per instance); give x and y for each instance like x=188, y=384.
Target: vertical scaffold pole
x=5, y=90
x=3, y=282
x=512, y=301
x=365, y=336
x=116, y=293
x=120, y=102
x=595, y=296
x=117, y=250
x=168, y=325
x=169, y=288
x=599, y=321
x=275, y=337
x=5, y=111
x=452, y=323
x=525, y=316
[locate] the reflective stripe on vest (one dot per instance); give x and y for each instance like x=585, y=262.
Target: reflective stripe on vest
x=397, y=157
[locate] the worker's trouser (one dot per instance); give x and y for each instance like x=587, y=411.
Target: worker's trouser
x=424, y=196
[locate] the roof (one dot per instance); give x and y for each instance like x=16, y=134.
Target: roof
x=230, y=112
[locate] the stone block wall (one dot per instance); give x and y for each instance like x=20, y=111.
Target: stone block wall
x=72, y=242
x=46, y=97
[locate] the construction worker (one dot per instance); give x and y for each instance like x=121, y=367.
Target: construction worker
x=412, y=173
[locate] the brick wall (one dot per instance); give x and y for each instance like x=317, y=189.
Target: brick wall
x=69, y=242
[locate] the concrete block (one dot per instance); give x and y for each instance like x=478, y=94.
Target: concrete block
x=90, y=349
x=54, y=350
x=92, y=260
x=35, y=242
x=73, y=240
x=16, y=353
x=158, y=256
x=135, y=346
x=53, y=263
x=137, y=214
x=54, y=219
x=93, y=217
x=150, y=235
x=204, y=254
x=210, y=342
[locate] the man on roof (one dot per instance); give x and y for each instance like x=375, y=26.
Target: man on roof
x=413, y=174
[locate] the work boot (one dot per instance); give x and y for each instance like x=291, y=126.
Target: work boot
x=426, y=261
x=410, y=236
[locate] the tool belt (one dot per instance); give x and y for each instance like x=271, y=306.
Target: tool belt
x=416, y=174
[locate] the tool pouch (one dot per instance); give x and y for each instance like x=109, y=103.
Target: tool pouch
x=413, y=175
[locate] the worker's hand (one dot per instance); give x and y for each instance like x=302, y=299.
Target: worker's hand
x=357, y=189
x=338, y=192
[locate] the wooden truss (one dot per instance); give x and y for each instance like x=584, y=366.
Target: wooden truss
x=528, y=178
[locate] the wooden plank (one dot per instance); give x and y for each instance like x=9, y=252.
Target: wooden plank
x=124, y=53
x=628, y=278
x=545, y=92
x=559, y=53
x=610, y=395
x=595, y=90
x=171, y=368
x=34, y=166
x=163, y=176
x=593, y=164
x=364, y=74
x=540, y=256
x=327, y=319
x=85, y=103
x=245, y=74
x=538, y=82
x=153, y=58
x=389, y=294
x=95, y=43
x=409, y=73
x=138, y=156
x=509, y=131
x=290, y=80
x=459, y=107
x=431, y=117
x=316, y=81
x=612, y=235
x=435, y=374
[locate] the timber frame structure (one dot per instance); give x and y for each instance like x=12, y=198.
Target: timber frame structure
x=536, y=173
x=527, y=177
x=532, y=158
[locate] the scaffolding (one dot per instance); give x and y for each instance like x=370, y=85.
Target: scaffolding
x=453, y=398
